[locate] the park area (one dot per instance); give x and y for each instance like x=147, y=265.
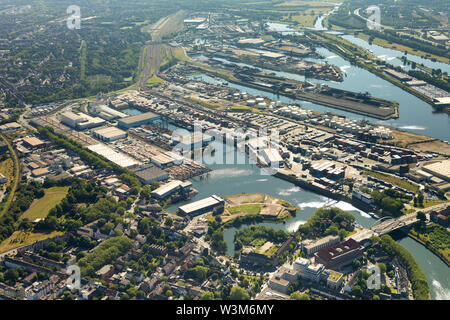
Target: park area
x=23, y=238
x=256, y=204
x=40, y=208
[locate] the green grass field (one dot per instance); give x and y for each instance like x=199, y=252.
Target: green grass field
x=245, y=208
x=21, y=238
x=393, y=180
x=40, y=208
x=7, y=169
x=154, y=81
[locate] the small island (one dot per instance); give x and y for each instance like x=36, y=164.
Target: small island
x=258, y=206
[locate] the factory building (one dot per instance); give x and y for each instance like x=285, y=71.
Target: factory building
x=138, y=120
x=105, y=112
x=439, y=169
x=171, y=188
x=253, y=42
x=116, y=157
x=272, y=157
x=192, y=141
x=80, y=121
x=151, y=174
x=109, y=134
x=202, y=206
x=162, y=161
x=33, y=142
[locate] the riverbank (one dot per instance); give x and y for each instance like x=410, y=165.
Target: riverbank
x=337, y=99
x=429, y=247
x=355, y=55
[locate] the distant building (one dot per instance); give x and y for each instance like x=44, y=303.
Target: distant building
x=170, y=188
x=279, y=284
x=326, y=242
x=253, y=42
x=202, y=206
x=33, y=142
x=138, y=120
x=152, y=174
x=116, y=157
x=109, y=134
x=308, y=271
x=11, y=126
x=80, y=121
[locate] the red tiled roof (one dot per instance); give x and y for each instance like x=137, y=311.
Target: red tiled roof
x=338, y=250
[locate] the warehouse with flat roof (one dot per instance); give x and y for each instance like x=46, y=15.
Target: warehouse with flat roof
x=171, y=188
x=151, y=174
x=138, y=120
x=116, y=157
x=109, y=134
x=202, y=206
x=439, y=169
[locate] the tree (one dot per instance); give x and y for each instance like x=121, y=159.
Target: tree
x=382, y=267
x=238, y=293
x=67, y=295
x=169, y=222
x=421, y=216
x=356, y=264
x=299, y=296
x=11, y=276
x=357, y=291
x=207, y=295
x=420, y=198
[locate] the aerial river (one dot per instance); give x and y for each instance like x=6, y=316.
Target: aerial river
x=415, y=115
x=227, y=179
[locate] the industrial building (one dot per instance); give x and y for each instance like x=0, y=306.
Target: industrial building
x=192, y=141
x=439, y=169
x=202, y=206
x=109, y=134
x=138, y=120
x=105, y=112
x=151, y=174
x=171, y=188
x=340, y=255
x=272, y=157
x=33, y=142
x=162, y=160
x=312, y=247
x=118, y=158
x=254, y=42
x=80, y=121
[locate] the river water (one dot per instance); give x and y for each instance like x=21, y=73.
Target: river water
x=415, y=115
x=227, y=179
